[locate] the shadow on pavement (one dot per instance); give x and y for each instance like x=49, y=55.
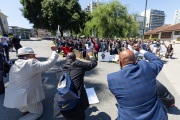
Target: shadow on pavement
x=174, y=110
x=165, y=61
x=174, y=58
x=98, y=87
x=92, y=72
x=99, y=116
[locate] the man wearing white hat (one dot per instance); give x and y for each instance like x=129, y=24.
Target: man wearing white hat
x=25, y=91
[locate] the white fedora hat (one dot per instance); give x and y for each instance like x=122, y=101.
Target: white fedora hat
x=25, y=51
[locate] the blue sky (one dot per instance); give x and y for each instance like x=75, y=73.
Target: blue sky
x=15, y=18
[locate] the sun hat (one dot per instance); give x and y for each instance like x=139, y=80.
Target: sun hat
x=25, y=51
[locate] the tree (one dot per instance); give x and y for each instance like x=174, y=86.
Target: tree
x=31, y=10
x=66, y=13
x=111, y=19
x=48, y=14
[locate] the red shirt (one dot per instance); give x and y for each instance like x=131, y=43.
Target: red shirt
x=96, y=46
x=66, y=50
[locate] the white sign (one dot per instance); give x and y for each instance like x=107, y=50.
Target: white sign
x=92, y=97
x=104, y=56
x=114, y=58
x=87, y=47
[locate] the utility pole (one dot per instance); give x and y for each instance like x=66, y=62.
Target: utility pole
x=145, y=19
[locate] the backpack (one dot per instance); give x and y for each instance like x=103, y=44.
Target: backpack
x=65, y=97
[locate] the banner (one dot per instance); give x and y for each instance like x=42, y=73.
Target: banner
x=104, y=56
x=114, y=58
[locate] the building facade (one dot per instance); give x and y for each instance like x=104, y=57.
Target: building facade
x=43, y=33
x=25, y=33
x=4, y=27
x=166, y=32
x=154, y=18
x=140, y=20
x=177, y=17
x=91, y=6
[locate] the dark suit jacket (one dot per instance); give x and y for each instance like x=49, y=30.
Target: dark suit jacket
x=16, y=42
x=77, y=73
x=134, y=87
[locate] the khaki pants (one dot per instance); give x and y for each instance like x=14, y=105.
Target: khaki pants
x=35, y=111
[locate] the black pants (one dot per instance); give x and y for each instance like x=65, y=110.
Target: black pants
x=2, y=89
x=96, y=55
x=6, y=51
x=76, y=113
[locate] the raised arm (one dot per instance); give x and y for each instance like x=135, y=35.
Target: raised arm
x=155, y=63
x=38, y=66
x=89, y=65
x=165, y=45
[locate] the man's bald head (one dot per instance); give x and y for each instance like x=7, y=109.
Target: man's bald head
x=71, y=56
x=127, y=57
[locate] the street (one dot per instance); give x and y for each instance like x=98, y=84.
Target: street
x=106, y=109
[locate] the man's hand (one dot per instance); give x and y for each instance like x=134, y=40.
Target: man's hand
x=54, y=48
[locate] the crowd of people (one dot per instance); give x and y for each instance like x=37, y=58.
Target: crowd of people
x=114, y=46
x=135, y=93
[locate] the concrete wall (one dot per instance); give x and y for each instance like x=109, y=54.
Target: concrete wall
x=176, y=36
x=43, y=33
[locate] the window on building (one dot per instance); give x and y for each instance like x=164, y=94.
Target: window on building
x=166, y=35
x=177, y=33
x=155, y=36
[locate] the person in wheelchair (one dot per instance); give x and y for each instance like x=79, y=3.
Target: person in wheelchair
x=169, y=50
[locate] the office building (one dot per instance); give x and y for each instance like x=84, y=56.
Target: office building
x=140, y=20
x=91, y=6
x=177, y=17
x=154, y=18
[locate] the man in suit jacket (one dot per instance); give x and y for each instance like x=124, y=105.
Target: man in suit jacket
x=77, y=73
x=16, y=43
x=134, y=87
x=25, y=90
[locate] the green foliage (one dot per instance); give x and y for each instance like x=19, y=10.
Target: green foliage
x=48, y=14
x=112, y=19
x=31, y=10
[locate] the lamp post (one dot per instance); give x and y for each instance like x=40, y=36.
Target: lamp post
x=144, y=19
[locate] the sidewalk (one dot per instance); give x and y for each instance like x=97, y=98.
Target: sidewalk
x=172, y=68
